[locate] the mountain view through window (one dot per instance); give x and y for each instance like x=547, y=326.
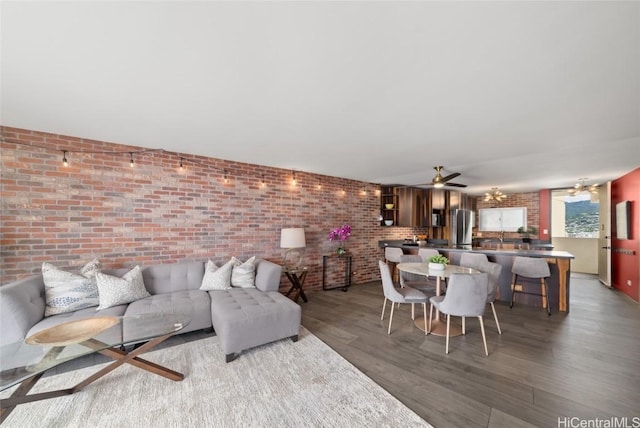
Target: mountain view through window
x=582, y=216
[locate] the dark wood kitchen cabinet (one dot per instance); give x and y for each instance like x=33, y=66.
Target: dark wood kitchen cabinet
x=389, y=205
x=414, y=207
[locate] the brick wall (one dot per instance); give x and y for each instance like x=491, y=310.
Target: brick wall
x=530, y=200
x=155, y=213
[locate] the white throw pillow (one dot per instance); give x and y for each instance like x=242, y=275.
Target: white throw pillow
x=243, y=275
x=118, y=291
x=217, y=278
x=67, y=291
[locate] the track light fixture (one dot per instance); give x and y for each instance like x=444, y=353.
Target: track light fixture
x=181, y=162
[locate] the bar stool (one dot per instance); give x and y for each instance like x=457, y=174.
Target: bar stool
x=392, y=257
x=534, y=268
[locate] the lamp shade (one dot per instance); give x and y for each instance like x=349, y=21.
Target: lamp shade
x=292, y=238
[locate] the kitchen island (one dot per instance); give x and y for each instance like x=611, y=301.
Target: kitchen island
x=559, y=264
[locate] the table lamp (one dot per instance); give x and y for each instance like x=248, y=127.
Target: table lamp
x=293, y=240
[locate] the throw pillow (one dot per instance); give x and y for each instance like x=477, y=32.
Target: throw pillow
x=217, y=278
x=243, y=275
x=67, y=291
x=90, y=269
x=119, y=291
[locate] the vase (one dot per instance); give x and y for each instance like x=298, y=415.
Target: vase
x=341, y=250
x=436, y=266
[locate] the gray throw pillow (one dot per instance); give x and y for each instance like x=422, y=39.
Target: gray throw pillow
x=217, y=278
x=67, y=291
x=119, y=291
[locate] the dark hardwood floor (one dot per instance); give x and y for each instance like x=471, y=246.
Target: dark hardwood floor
x=583, y=364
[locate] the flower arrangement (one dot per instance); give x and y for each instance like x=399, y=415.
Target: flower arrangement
x=341, y=234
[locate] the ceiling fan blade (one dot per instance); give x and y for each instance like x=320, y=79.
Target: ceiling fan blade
x=450, y=176
x=412, y=185
x=455, y=185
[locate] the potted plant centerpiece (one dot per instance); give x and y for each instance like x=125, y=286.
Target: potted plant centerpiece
x=438, y=262
x=526, y=233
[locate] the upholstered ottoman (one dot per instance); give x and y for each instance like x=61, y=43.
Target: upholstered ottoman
x=247, y=317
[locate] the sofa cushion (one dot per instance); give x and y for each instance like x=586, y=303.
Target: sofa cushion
x=217, y=278
x=243, y=275
x=268, y=275
x=193, y=303
x=246, y=317
x=22, y=306
x=173, y=277
x=67, y=291
x=118, y=291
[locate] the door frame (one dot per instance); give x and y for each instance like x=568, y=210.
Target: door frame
x=604, y=241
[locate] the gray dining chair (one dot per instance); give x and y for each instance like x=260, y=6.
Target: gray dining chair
x=420, y=282
x=493, y=270
x=392, y=257
x=466, y=297
x=399, y=295
x=474, y=260
x=532, y=268
x=481, y=263
x=425, y=253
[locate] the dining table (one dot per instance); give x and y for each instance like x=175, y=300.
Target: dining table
x=438, y=327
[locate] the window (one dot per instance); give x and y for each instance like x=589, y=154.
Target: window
x=575, y=216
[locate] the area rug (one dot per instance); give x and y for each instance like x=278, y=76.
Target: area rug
x=282, y=384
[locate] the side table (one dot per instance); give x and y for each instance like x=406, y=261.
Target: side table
x=296, y=276
x=347, y=271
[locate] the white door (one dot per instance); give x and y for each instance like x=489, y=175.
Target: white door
x=604, y=240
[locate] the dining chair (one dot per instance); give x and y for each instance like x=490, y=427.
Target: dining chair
x=473, y=260
x=466, y=297
x=392, y=257
x=413, y=280
x=425, y=253
x=481, y=262
x=532, y=268
x=399, y=295
x=493, y=270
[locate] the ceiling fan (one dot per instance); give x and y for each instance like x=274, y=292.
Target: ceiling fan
x=440, y=181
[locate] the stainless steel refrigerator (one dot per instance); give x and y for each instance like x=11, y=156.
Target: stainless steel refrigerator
x=462, y=223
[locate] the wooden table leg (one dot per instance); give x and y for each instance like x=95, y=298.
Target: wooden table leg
x=563, y=269
x=296, y=284
x=8, y=405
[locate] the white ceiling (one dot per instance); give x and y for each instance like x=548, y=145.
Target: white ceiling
x=518, y=95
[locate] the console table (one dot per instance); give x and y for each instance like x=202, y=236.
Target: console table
x=346, y=258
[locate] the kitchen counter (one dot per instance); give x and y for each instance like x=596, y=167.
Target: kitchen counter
x=536, y=250
x=559, y=264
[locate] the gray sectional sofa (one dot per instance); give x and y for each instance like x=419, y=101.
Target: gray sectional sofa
x=241, y=317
